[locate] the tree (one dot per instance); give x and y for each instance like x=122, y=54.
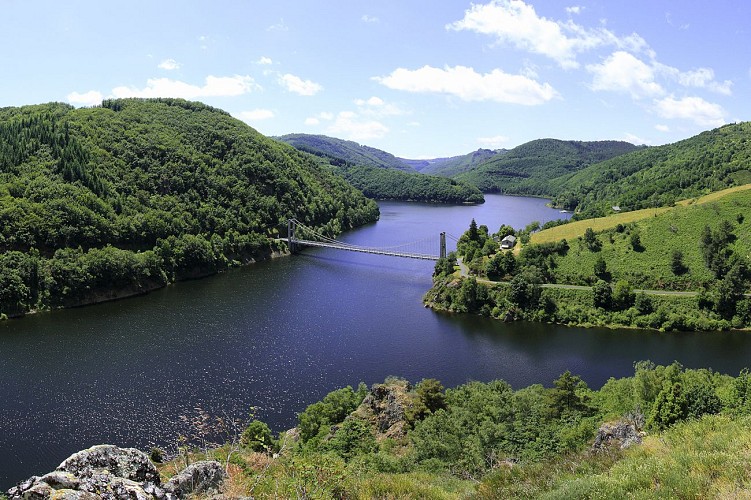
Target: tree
x=635, y=241
x=564, y=396
x=431, y=394
x=623, y=295
x=601, y=269
x=474, y=234
x=591, y=241
x=676, y=263
x=671, y=406
x=602, y=295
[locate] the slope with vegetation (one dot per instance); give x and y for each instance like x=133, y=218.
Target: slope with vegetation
x=380, y=175
x=114, y=200
x=537, y=167
x=665, y=431
x=658, y=176
x=692, y=260
x=455, y=165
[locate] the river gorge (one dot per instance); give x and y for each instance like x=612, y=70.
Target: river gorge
x=280, y=334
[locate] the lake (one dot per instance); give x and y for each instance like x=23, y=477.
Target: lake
x=279, y=335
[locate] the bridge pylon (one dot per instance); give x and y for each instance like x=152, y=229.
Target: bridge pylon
x=291, y=225
x=442, y=252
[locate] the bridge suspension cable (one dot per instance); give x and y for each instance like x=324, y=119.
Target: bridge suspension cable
x=301, y=235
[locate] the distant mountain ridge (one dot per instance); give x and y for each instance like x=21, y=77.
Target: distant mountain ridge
x=536, y=167
x=454, y=165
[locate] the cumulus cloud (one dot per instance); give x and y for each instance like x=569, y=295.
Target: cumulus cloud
x=635, y=139
x=494, y=142
x=264, y=60
x=299, y=86
x=312, y=121
x=516, y=23
x=662, y=128
x=622, y=72
x=169, y=64
x=695, y=109
x=468, y=85
x=369, y=19
x=90, y=98
x=703, y=78
x=214, y=86
x=354, y=127
x=574, y=9
x=377, y=107
x=256, y=115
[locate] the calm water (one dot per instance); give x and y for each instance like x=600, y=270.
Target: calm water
x=279, y=335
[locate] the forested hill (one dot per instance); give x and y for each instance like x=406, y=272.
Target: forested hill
x=380, y=175
x=455, y=165
x=109, y=201
x=340, y=151
x=658, y=176
x=534, y=168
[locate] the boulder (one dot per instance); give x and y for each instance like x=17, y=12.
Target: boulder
x=112, y=473
x=200, y=477
x=385, y=407
x=621, y=434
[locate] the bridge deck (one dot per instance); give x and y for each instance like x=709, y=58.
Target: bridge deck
x=352, y=248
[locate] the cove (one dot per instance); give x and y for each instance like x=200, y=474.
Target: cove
x=280, y=334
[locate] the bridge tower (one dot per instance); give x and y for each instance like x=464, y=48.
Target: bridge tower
x=291, y=235
x=442, y=252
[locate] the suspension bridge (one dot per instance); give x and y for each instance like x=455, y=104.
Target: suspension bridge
x=299, y=235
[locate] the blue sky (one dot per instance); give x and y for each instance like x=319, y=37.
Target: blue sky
x=416, y=78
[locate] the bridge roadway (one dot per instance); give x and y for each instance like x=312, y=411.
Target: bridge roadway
x=353, y=248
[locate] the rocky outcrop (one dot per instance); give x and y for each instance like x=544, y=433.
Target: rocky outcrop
x=109, y=472
x=621, y=434
x=386, y=407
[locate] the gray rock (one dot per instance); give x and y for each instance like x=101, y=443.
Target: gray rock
x=200, y=477
x=127, y=463
x=61, y=480
x=622, y=434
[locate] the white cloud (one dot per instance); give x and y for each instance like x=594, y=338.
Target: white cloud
x=635, y=139
x=169, y=64
x=264, y=60
x=516, y=23
x=256, y=115
x=326, y=115
x=312, y=121
x=494, y=142
x=702, y=78
x=369, y=19
x=215, y=86
x=622, y=72
x=468, y=85
x=280, y=26
x=574, y=9
x=348, y=124
x=90, y=98
x=662, y=128
x=377, y=107
x=695, y=109
x=298, y=85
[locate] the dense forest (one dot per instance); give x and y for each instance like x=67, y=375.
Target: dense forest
x=659, y=176
x=380, y=175
x=118, y=199
x=535, y=168
x=665, y=431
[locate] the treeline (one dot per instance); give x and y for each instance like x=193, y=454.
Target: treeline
x=383, y=184
x=400, y=440
x=133, y=194
x=659, y=176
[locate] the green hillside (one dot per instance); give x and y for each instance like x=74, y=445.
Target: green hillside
x=455, y=165
x=659, y=176
x=380, y=175
x=665, y=432
x=109, y=201
x=537, y=167
x=349, y=152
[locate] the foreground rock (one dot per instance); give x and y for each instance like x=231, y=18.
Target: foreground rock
x=109, y=472
x=621, y=434
x=386, y=407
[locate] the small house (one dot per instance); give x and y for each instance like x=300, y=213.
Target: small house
x=508, y=242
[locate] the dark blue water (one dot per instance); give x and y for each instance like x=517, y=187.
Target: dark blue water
x=279, y=335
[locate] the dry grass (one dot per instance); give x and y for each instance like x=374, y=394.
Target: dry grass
x=573, y=230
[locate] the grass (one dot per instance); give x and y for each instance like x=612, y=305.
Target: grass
x=576, y=229
x=676, y=228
